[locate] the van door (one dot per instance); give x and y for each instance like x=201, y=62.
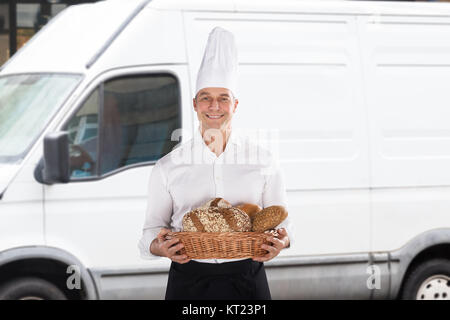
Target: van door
x=118, y=130
x=406, y=65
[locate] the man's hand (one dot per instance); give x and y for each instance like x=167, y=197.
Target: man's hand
x=78, y=156
x=168, y=248
x=278, y=243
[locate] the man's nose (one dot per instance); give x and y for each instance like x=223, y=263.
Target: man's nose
x=214, y=104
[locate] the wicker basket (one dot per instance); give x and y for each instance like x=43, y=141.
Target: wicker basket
x=221, y=245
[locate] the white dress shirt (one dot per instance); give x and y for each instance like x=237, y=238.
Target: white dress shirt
x=191, y=175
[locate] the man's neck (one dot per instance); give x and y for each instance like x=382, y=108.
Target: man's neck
x=214, y=136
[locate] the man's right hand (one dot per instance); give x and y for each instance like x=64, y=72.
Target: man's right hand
x=168, y=248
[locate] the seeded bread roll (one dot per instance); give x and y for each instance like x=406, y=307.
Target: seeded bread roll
x=216, y=219
x=216, y=202
x=250, y=209
x=269, y=218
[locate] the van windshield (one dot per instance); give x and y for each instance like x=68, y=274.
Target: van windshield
x=27, y=103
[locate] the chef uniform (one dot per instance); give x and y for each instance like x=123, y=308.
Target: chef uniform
x=192, y=174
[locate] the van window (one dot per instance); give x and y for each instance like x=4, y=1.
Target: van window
x=83, y=138
x=137, y=117
x=27, y=103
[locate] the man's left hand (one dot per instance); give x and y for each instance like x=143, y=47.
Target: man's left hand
x=278, y=243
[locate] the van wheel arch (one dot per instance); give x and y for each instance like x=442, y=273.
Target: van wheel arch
x=436, y=252
x=49, y=264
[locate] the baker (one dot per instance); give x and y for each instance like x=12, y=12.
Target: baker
x=206, y=167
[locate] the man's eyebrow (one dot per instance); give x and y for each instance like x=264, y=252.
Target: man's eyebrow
x=225, y=95
x=203, y=93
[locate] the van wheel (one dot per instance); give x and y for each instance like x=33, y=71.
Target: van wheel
x=30, y=289
x=428, y=281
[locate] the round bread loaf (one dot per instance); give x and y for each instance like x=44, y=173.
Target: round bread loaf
x=250, y=209
x=216, y=219
x=269, y=218
x=216, y=202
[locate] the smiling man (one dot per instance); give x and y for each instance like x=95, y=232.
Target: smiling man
x=215, y=108
x=176, y=188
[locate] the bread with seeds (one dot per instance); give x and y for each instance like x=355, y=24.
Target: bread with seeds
x=216, y=202
x=269, y=218
x=216, y=219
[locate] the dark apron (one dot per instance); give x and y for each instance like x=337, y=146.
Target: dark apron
x=236, y=280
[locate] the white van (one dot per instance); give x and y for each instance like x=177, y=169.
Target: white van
x=357, y=92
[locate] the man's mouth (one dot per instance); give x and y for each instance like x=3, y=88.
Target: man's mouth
x=211, y=116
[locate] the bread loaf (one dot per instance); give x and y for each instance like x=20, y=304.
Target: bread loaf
x=216, y=219
x=216, y=202
x=250, y=209
x=269, y=218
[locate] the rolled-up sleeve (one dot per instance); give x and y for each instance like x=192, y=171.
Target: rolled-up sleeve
x=275, y=194
x=159, y=210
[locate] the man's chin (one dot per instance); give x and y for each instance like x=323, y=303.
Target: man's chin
x=218, y=124
x=213, y=124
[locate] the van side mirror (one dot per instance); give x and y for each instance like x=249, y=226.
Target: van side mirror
x=54, y=166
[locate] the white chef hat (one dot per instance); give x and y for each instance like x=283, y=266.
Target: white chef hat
x=219, y=66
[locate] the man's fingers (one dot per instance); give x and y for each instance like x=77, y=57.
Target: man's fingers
x=271, y=249
x=279, y=244
x=276, y=242
x=264, y=258
x=163, y=232
x=284, y=237
x=180, y=258
x=169, y=243
x=174, y=249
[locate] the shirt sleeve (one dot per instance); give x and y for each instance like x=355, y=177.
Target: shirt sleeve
x=158, y=213
x=275, y=194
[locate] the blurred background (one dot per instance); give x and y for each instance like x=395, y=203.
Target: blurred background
x=20, y=20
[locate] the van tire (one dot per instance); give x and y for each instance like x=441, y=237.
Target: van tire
x=434, y=272
x=30, y=289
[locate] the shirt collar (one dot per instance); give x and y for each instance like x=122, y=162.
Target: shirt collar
x=233, y=137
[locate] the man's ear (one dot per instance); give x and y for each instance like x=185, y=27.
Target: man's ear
x=195, y=104
x=236, y=101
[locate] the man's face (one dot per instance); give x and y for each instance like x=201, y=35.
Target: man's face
x=215, y=107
